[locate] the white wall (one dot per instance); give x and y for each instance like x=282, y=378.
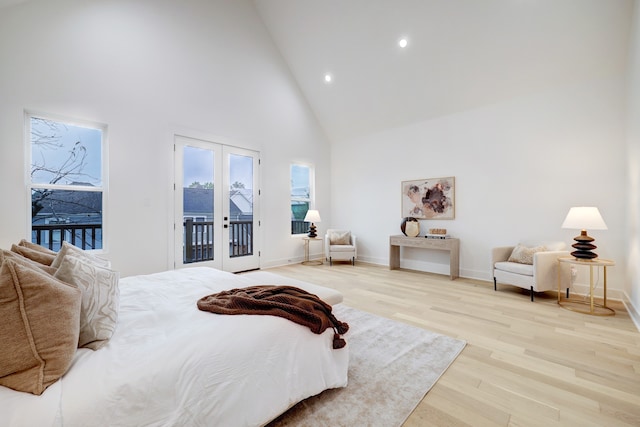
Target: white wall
x=632, y=282
x=518, y=166
x=147, y=69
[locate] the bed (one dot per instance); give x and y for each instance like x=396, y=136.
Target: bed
x=170, y=364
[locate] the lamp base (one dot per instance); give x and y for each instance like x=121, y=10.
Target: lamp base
x=312, y=231
x=584, y=246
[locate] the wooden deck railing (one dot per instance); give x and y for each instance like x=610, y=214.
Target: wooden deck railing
x=299, y=227
x=198, y=240
x=85, y=236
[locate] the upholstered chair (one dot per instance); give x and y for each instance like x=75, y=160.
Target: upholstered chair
x=530, y=265
x=340, y=245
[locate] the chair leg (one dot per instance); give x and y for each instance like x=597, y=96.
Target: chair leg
x=532, y=294
x=330, y=261
x=567, y=292
x=495, y=286
x=353, y=261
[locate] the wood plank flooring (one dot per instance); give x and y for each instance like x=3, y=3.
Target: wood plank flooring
x=525, y=364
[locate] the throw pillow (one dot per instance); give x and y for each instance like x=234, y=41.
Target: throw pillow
x=100, y=299
x=27, y=244
x=340, y=237
x=69, y=249
x=523, y=255
x=33, y=254
x=39, y=329
x=4, y=255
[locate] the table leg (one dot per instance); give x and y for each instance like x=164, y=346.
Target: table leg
x=591, y=287
x=605, y=286
x=454, y=261
x=394, y=257
x=559, y=279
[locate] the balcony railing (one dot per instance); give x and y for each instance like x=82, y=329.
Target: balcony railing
x=85, y=236
x=198, y=240
x=299, y=227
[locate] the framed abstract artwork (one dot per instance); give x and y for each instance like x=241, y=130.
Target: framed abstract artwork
x=431, y=198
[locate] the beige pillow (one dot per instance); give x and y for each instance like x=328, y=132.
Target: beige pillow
x=100, y=299
x=39, y=329
x=339, y=237
x=69, y=249
x=36, y=247
x=33, y=254
x=523, y=255
x=4, y=254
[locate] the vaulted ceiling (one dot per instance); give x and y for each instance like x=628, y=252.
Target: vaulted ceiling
x=461, y=54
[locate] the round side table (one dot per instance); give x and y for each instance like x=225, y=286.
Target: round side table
x=578, y=305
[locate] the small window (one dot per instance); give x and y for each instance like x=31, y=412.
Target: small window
x=66, y=182
x=301, y=197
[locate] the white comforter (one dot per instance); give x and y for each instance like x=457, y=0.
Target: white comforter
x=170, y=364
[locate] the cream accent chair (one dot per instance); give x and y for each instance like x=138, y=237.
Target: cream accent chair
x=540, y=275
x=340, y=245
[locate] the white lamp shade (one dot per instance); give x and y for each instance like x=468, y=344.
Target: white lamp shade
x=312, y=216
x=582, y=218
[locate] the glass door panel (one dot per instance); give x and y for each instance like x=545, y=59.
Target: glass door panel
x=197, y=202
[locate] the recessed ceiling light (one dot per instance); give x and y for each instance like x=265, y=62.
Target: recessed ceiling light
x=328, y=78
x=403, y=43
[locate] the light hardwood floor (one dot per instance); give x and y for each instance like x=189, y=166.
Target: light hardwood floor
x=525, y=364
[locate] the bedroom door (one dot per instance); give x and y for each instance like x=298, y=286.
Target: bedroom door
x=216, y=205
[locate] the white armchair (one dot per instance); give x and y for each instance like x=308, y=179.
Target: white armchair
x=536, y=269
x=340, y=245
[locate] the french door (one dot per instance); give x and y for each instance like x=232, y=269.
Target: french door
x=216, y=205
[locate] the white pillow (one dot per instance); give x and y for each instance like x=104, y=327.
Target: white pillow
x=69, y=249
x=100, y=299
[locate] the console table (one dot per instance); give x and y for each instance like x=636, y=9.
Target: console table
x=448, y=244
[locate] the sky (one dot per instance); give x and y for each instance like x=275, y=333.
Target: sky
x=56, y=154
x=199, y=167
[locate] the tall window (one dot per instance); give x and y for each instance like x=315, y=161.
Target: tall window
x=301, y=197
x=66, y=181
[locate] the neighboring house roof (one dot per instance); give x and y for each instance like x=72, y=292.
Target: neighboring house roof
x=199, y=201
x=67, y=202
x=243, y=199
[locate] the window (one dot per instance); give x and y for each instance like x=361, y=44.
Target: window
x=301, y=197
x=66, y=182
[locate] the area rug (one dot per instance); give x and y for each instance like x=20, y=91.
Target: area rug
x=392, y=366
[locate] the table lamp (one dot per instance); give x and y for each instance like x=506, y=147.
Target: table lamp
x=312, y=216
x=581, y=218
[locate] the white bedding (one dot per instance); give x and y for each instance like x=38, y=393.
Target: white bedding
x=170, y=364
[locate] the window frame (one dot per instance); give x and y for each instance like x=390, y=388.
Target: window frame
x=310, y=199
x=104, y=175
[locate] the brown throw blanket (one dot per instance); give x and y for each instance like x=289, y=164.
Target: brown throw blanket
x=289, y=302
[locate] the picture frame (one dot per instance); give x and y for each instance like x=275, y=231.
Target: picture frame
x=431, y=198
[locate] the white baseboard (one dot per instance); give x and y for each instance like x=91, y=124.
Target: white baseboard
x=634, y=313
x=583, y=290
